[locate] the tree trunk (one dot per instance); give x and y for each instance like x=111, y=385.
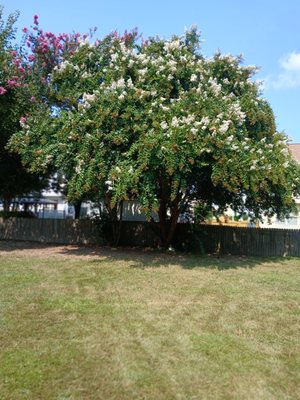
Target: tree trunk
x=6, y=204
x=116, y=222
x=163, y=224
x=172, y=226
x=77, y=207
x=115, y=218
x=168, y=226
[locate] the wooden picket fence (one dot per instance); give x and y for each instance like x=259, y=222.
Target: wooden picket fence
x=60, y=231
x=249, y=241
x=189, y=237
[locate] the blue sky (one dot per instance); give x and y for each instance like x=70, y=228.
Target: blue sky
x=266, y=32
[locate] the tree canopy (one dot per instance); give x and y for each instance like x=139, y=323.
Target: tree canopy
x=156, y=120
x=24, y=89
x=14, y=102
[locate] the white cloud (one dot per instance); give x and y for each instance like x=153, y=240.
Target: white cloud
x=291, y=62
x=289, y=77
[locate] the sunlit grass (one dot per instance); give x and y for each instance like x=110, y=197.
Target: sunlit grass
x=132, y=325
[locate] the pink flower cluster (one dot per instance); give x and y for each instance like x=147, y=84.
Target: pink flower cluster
x=23, y=121
x=46, y=51
x=13, y=82
x=47, y=47
x=127, y=37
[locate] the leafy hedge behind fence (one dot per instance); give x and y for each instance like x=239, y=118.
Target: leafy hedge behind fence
x=198, y=238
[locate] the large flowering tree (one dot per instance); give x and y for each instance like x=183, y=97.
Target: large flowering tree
x=158, y=121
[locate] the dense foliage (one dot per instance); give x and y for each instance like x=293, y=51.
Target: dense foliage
x=16, y=95
x=157, y=121
x=24, y=89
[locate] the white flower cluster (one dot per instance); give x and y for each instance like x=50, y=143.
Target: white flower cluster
x=83, y=41
x=119, y=84
x=164, y=125
x=172, y=45
x=224, y=126
x=78, y=167
x=143, y=71
x=187, y=120
x=253, y=167
x=227, y=57
x=175, y=122
x=237, y=113
x=122, y=95
x=109, y=185
x=215, y=87
x=65, y=65
x=114, y=57
x=250, y=68
x=204, y=121
x=172, y=64
x=142, y=59
x=86, y=75
x=127, y=52
x=87, y=100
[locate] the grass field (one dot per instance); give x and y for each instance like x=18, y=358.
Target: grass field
x=79, y=323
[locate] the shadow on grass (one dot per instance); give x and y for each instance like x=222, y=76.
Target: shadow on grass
x=139, y=258
x=188, y=261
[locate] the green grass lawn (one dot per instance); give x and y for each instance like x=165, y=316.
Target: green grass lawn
x=85, y=324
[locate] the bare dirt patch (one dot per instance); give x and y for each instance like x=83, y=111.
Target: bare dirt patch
x=48, y=250
x=35, y=249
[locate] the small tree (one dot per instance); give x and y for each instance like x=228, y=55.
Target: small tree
x=15, y=95
x=24, y=90
x=159, y=122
